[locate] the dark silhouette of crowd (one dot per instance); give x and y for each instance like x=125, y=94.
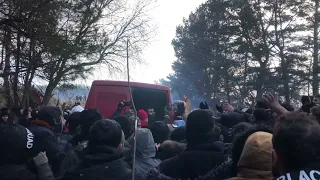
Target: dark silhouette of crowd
x=269, y=141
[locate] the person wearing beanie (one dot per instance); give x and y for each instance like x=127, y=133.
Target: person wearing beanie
x=178, y=134
x=102, y=159
x=204, y=150
x=143, y=116
x=16, y=144
x=81, y=121
x=87, y=118
x=125, y=124
x=45, y=129
x=160, y=131
x=145, y=153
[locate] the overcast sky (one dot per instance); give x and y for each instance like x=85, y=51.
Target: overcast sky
x=159, y=55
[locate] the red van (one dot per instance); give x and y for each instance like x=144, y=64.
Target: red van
x=105, y=96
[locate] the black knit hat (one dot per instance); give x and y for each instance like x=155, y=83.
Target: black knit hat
x=178, y=134
x=15, y=142
x=88, y=118
x=4, y=112
x=160, y=131
x=51, y=115
x=199, y=128
x=105, y=132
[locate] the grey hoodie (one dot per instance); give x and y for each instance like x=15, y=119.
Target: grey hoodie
x=145, y=153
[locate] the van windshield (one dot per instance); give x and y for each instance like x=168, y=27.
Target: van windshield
x=151, y=99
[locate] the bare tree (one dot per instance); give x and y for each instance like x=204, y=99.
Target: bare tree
x=90, y=34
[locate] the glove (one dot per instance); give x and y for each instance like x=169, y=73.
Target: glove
x=204, y=105
x=40, y=159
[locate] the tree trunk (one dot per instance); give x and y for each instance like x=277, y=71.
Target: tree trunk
x=16, y=74
x=26, y=87
x=6, y=82
x=48, y=93
x=315, y=82
x=280, y=45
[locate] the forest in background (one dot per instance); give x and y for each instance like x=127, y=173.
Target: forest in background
x=237, y=50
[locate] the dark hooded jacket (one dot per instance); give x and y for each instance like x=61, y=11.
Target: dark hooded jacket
x=46, y=141
x=145, y=153
x=194, y=161
x=100, y=163
x=222, y=172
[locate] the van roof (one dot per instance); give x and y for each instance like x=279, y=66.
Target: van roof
x=132, y=84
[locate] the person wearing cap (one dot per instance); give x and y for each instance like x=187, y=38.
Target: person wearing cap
x=103, y=158
x=80, y=140
x=143, y=116
x=45, y=129
x=204, y=150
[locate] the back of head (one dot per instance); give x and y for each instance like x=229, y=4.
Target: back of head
x=241, y=128
x=170, y=149
x=288, y=107
x=261, y=104
x=52, y=116
x=125, y=124
x=16, y=142
x=305, y=100
x=160, y=131
x=88, y=118
x=74, y=121
x=262, y=116
x=296, y=141
x=230, y=119
x=178, y=134
x=199, y=128
x=105, y=133
x=179, y=108
x=145, y=146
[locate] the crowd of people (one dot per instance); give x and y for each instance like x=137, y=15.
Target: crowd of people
x=269, y=141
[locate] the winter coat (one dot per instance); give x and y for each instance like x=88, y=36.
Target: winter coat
x=310, y=172
x=194, y=161
x=127, y=151
x=256, y=159
x=222, y=172
x=16, y=172
x=100, y=163
x=46, y=141
x=145, y=153
x=72, y=159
